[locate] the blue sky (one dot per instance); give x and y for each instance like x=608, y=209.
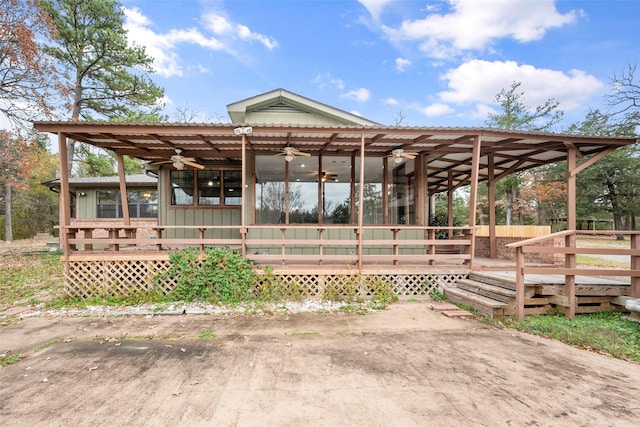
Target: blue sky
x=437, y=63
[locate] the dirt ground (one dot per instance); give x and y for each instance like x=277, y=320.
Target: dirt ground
x=404, y=366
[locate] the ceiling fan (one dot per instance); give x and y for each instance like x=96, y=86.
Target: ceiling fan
x=398, y=154
x=290, y=153
x=179, y=161
x=326, y=176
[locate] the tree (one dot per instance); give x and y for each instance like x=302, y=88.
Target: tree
x=109, y=77
x=35, y=206
x=27, y=77
x=15, y=163
x=610, y=184
x=516, y=115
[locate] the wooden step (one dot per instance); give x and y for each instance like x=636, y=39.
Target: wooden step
x=485, y=306
x=495, y=279
x=487, y=290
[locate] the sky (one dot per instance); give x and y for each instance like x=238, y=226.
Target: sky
x=420, y=63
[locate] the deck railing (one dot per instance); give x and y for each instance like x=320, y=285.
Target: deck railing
x=291, y=244
x=570, y=268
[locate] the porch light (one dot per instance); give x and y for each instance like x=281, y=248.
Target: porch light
x=210, y=183
x=289, y=157
x=247, y=130
x=178, y=164
x=397, y=160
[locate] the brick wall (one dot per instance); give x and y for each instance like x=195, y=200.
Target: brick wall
x=482, y=250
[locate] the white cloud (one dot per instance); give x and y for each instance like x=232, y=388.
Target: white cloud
x=221, y=26
x=322, y=80
x=477, y=24
x=437, y=109
x=163, y=47
x=358, y=95
x=479, y=81
x=402, y=64
x=390, y=101
x=374, y=7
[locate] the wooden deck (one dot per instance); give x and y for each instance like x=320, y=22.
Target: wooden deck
x=493, y=293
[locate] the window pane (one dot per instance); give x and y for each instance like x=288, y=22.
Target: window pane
x=208, y=188
x=303, y=190
x=106, y=204
x=401, y=193
x=233, y=188
x=148, y=204
x=182, y=188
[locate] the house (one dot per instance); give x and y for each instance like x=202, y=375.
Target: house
x=314, y=191
x=95, y=202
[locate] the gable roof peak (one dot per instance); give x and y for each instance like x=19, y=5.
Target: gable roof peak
x=240, y=111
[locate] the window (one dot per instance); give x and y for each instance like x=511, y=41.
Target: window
x=142, y=204
x=210, y=187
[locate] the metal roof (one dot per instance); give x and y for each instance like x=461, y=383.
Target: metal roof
x=445, y=149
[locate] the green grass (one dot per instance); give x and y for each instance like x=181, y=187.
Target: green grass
x=600, y=262
x=30, y=279
x=8, y=359
x=610, y=333
x=206, y=335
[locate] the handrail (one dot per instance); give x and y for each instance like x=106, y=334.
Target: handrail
x=570, y=252
x=535, y=240
x=412, y=243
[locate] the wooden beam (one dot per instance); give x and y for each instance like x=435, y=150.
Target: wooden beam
x=491, y=187
x=571, y=190
x=123, y=190
x=243, y=211
x=360, y=205
x=320, y=195
x=576, y=170
x=352, y=190
x=385, y=190
x=286, y=192
x=450, y=204
x=635, y=265
x=473, y=194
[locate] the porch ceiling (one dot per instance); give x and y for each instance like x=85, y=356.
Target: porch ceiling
x=446, y=150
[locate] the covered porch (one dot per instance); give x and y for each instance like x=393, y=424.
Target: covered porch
x=334, y=193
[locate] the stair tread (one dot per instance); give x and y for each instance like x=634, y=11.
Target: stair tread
x=488, y=287
x=489, y=302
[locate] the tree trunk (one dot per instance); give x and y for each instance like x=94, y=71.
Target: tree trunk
x=617, y=225
x=7, y=212
x=509, y=213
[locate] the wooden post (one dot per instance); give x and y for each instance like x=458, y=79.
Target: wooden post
x=361, y=198
x=352, y=190
x=491, y=187
x=570, y=240
x=385, y=190
x=320, y=195
x=450, y=205
x=519, y=284
x=635, y=265
x=65, y=215
x=473, y=194
x=243, y=211
x=124, y=201
x=418, y=190
x=286, y=192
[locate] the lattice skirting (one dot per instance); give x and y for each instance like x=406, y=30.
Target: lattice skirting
x=117, y=278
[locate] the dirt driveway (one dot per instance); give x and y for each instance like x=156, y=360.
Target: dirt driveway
x=404, y=366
